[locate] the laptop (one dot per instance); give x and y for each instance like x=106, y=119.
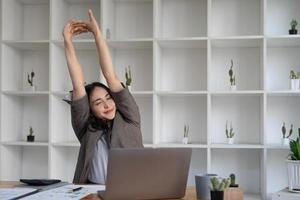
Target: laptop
x=149, y=173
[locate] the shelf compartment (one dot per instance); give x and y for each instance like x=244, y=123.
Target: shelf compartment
x=281, y=109
x=279, y=15
x=63, y=163
x=175, y=112
x=128, y=19
x=30, y=19
x=198, y=165
x=146, y=111
x=281, y=59
x=192, y=21
x=236, y=17
x=88, y=58
x=247, y=64
x=24, y=159
x=245, y=113
x=18, y=59
x=244, y=163
x=139, y=55
x=181, y=65
x=61, y=124
x=65, y=10
x=21, y=113
x=276, y=164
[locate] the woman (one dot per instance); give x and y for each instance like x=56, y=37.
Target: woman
x=102, y=117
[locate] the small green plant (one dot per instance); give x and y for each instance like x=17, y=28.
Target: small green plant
x=283, y=130
x=293, y=24
x=128, y=76
x=295, y=148
x=232, y=179
x=30, y=78
x=230, y=133
x=231, y=76
x=30, y=131
x=294, y=75
x=217, y=185
x=186, y=130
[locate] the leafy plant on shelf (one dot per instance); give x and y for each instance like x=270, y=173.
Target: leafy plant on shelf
x=231, y=75
x=30, y=137
x=283, y=130
x=128, y=76
x=232, y=181
x=295, y=148
x=217, y=185
x=230, y=133
x=294, y=75
x=186, y=131
x=293, y=24
x=30, y=78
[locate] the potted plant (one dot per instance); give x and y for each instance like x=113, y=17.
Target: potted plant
x=294, y=77
x=232, y=181
x=293, y=164
x=232, y=77
x=30, y=137
x=217, y=188
x=229, y=134
x=185, y=139
x=293, y=30
x=285, y=138
x=128, y=78
x=30, y=81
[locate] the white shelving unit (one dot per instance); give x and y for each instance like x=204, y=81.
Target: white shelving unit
x=179, y=53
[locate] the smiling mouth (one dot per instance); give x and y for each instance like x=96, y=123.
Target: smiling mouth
x=106, y=112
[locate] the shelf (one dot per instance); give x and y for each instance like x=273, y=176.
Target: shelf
x=88, y=59
x=181, y=66
x=247, y=64
x=128, y=19
x=198, y=165
x=280, y=61
x=245, y=113
x=237, y=93
x=283, y=93
x=279, y=15
x=284, y=41
x=130, y=44
x=23, y=160
x=64, y=10
x=64, y=162
x=21, y=113
x=241, y=41
x=188, y=10
x=281, y=109
x=276, y=165
x=31, y=19
x=236, y=146
x=244, y=163
x=61, y=131
x=20, y=59
x=24, y=143
x=174, y=113
x=66, y=144
x=181, y=93
x=236, y=17
x=276, y=146
x=139, y=56
x=26, y=93
x=180, y=145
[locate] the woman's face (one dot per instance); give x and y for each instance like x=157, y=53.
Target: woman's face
x=102, y=104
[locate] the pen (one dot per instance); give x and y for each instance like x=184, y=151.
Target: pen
x=76, y=189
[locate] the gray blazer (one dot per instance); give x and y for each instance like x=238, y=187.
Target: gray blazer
x=125, y=131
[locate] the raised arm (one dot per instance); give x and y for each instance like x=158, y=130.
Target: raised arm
x=104, y=55
x=72, y=29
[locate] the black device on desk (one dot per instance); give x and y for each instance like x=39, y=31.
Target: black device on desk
x=40, y=182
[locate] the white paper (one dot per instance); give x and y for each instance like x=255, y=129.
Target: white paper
x=11, y=193
x=65, y=192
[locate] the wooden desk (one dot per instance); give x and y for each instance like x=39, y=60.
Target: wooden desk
x=190, y=192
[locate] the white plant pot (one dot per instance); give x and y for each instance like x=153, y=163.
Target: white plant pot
x=233, y=87
x=285, y=141
x=293, y=167
x=129, y=87
x=295, y=83
x=185, y=140
x=230, y=140
x=33, y=88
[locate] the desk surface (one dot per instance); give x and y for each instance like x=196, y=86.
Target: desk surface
x=190, y=192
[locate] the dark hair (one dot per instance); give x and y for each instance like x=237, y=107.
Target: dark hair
x=95, y=122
